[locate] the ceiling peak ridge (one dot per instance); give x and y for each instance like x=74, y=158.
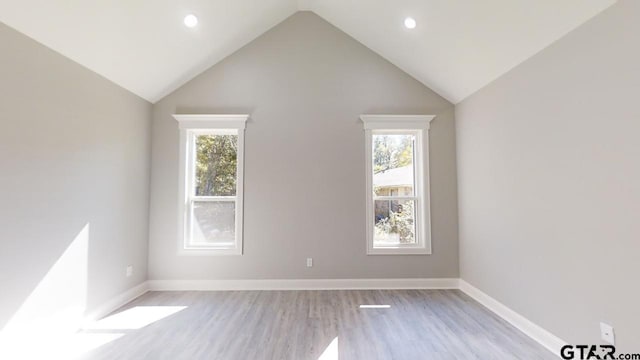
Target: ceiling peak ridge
x=305, y=5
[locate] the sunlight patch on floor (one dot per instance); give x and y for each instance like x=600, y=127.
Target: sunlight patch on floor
x=135, y=318
x=56, y=346
x=375, y=306
x=331, y=352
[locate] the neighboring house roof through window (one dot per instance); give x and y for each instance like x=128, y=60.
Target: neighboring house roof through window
x=402, y=176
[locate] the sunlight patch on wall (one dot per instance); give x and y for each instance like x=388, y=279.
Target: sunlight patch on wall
x=56, y=306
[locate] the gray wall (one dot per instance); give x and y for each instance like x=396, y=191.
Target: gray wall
x=74, y=151
x=549, y=183
x=304, y=83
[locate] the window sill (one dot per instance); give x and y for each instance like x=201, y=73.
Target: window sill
x=399, y=251
x=209, y=252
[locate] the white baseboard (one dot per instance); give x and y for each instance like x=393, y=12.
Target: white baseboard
x=301, y=284
x=534, y=331
x=116, y=302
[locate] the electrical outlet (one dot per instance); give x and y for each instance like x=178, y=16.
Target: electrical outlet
x=606, y=332
x=129, y=270
x=309, y=262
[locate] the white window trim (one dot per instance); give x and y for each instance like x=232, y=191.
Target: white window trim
x=188, y=123
x=419, y=125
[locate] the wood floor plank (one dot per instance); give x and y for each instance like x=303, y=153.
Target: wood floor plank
x=299, y=325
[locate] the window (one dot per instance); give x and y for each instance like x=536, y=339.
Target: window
x=398, y=211
x=211, y=167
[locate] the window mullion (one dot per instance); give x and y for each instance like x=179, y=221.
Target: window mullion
x=414, y=198
x=214, y=198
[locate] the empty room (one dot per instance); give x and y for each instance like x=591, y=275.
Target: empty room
x=319, y=179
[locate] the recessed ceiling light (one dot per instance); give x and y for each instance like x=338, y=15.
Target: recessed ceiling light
x=190, y=21
x=410, y=23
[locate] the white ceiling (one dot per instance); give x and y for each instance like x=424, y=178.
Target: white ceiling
x=458, y=47
x=143, y=45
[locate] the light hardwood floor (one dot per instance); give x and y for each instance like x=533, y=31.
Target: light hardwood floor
x=298, y=325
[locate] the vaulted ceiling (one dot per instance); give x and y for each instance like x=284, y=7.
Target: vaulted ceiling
x=458, y=46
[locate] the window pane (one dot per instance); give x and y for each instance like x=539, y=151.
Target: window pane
x=213, y=223
x=394, y=222
x=393, y=165
x=215, y=168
